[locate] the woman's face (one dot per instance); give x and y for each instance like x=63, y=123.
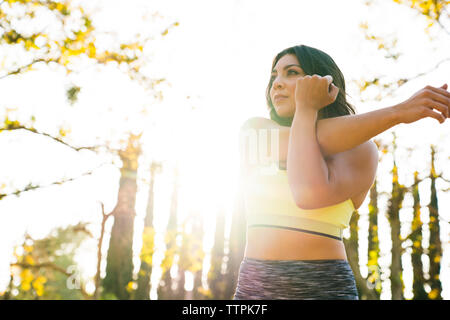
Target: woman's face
x=285, y=74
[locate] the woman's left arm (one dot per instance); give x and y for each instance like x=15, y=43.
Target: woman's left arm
x=315, y=182
x=312, y=182
x=339, y=134
x=343, y=133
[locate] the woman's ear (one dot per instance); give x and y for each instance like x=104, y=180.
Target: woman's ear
x=334, y=91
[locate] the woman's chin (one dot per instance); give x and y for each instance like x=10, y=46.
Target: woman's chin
x=283, y=111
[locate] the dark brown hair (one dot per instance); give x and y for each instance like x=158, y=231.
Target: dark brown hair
x=314, y=61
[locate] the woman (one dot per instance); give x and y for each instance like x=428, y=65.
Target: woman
x=298, y=205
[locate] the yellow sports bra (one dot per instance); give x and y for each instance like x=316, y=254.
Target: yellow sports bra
x=269, y=203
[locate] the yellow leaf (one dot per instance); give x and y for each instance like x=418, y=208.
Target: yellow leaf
x=26, y=276
x=131, y=286
x=62, y=132
x=433, y=294
x=41, y=279
x=40, y=291
x=91, y=50
x=25, y=286
x=29, y=259
x=148, y=259
x=38, y=285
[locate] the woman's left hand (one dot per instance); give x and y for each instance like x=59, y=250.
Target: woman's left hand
x=315, y=92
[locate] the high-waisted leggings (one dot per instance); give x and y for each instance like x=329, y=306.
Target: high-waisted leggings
x=295, y=280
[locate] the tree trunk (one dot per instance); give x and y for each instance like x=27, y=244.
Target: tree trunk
x=165, y=291
x=236, y=245
x=351, y=247
x=216, y=278
x=435, y=249
x=119, y=268
x=395, y=204
x=373, y=243
x=197, y=230
x=184, y=263
x=417, y=249
x=145, y=270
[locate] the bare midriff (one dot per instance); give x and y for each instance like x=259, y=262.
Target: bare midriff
x=280, y=244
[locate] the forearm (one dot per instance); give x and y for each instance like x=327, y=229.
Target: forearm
x=346, y=132
x=306, y=167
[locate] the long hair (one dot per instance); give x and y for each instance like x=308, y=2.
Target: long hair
x=314, y=61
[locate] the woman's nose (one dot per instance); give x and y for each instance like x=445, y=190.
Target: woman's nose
x=277, y=83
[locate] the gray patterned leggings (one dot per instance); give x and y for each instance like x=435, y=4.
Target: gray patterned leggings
x=295, y=280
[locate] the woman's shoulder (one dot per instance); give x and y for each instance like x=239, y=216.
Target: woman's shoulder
x=259, y=123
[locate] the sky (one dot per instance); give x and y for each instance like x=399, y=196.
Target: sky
x=217, y=63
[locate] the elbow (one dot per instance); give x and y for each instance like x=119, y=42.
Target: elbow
x=309, y=198
x=304, y=206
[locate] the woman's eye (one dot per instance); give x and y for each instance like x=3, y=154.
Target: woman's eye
x=288, y=72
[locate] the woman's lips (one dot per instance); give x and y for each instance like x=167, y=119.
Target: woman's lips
x=278, y=98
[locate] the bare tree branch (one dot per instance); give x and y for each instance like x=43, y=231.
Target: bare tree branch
x=99, y=251
x=389, y=86
x=441, y=177
x=33, y=187
x=33, y=130
x=438, y=20
x=432, y=69
x=443, y=27
x=22, y=68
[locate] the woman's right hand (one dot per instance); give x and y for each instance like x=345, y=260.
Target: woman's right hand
x=422, y=103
